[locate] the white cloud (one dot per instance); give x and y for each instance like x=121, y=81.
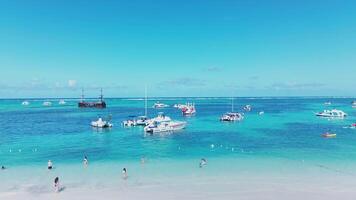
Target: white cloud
x=72, y=83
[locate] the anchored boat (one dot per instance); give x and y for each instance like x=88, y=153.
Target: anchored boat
x=86, y=104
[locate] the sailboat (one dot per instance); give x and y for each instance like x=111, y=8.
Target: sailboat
x=141, y=120
x=232, y=116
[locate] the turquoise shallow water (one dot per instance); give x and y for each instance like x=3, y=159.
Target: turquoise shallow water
x=289, y=130
x=283, y=143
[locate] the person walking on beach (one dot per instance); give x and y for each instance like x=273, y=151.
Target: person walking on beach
x=124, y=173
x=50, y=165
x=85, y=161
x=56, y=184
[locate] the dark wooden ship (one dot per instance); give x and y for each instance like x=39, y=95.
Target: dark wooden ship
x=90, y=104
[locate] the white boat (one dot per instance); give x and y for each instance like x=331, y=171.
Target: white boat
x=261, y=113
x=332, y=113
x=188, y=109
x=161, y=117
x=232, y=116
x=25, y=103
x=327, y=103
x=47, y=103
x=142, y=121
x=354, y=104
x=247, y=108
x=160, y=105
x=166, y=126
x=62, y=102
x=129, y=122
x=100, y=123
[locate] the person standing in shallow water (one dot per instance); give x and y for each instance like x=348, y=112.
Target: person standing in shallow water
x=85, y=161
x=203, y=162
x=124, y=173
x=49, y=165
x=56, y=184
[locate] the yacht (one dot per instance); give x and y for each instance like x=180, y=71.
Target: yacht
x=25, y=103
x=188, y=109
x=62, y=102
x=232, y=116
x=332, y=113
x=100, y=123
x=165, y=126
x=47, y=103
x=161, y=117
x=160, y=105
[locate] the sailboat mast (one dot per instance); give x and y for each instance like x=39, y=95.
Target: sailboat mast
x=82, y=97
x=101, y=94
x=146, y=100
x=232, y=104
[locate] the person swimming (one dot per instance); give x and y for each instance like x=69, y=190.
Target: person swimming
x=56, y=184
x=3, y=167
x=124, y=173
x=143, y=160
x=50, y=165
x=203, y=162
x=85, y=161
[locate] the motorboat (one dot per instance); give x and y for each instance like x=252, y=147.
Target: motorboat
x=179, y=106
x=100, y=123
x=188, y=109
x=331, y=113
x=160, y=105
x=62, y=102
x=247, y=108
x=328, y=135
x=261, y=113
x=161, y=117
x=25, y=103
x=232, y=116
x=165, y=126
x=129, y=123
x=327, y=103
x=47, y=103
x=354, y=104
x=142, y=121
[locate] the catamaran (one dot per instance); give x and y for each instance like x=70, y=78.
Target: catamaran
x=141, y=120
x=232, y=116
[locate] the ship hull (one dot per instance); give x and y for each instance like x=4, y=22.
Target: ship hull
x=92, y=105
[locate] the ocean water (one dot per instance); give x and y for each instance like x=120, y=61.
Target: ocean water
x=287, y=138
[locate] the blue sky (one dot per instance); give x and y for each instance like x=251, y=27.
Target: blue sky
x=177, y=48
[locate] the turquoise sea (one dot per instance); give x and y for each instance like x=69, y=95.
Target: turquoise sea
x=286, y=137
